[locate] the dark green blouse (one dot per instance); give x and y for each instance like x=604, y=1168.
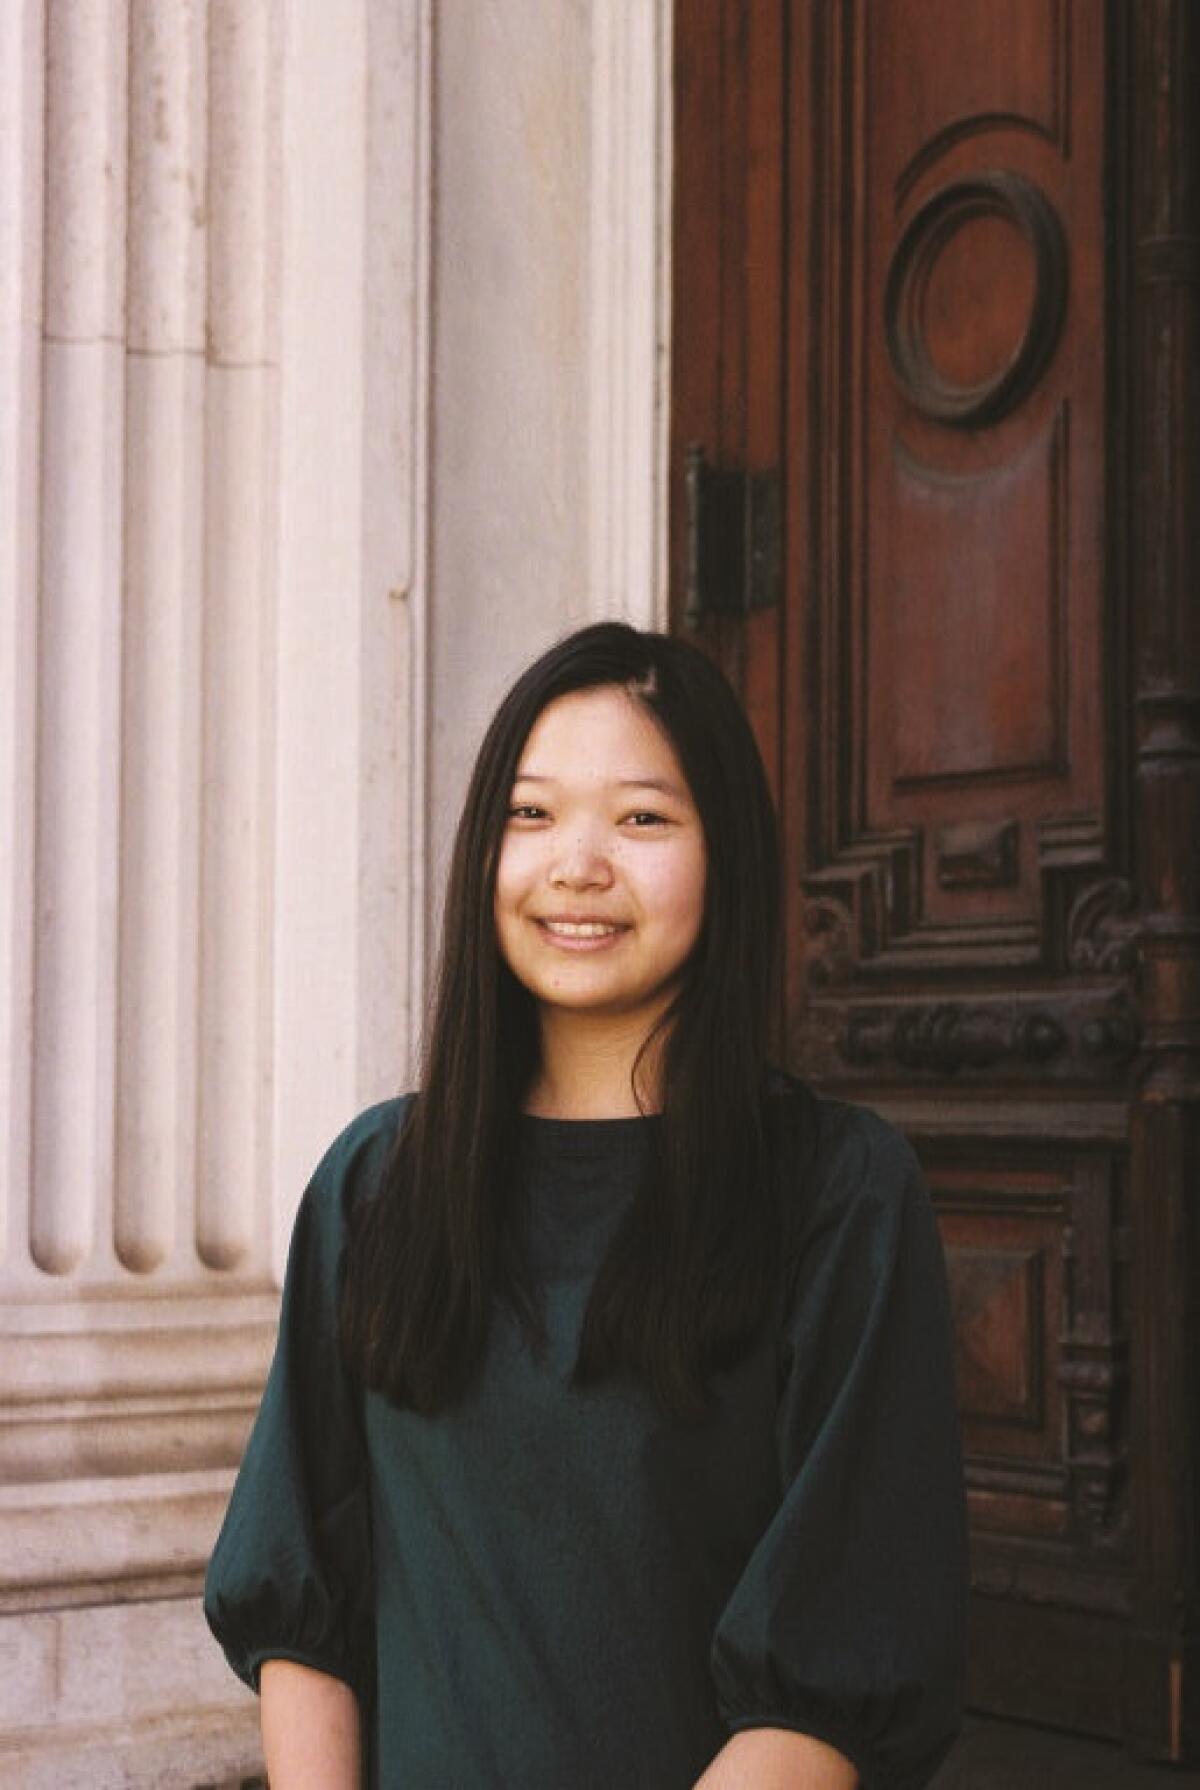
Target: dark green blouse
x=555, y=1588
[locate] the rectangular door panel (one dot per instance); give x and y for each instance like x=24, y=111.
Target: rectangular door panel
x=975, y=480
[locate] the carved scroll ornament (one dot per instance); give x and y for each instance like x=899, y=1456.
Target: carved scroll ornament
x=949, y=218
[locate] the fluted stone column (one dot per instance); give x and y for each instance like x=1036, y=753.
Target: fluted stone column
x=212, y=589
x=233, y=729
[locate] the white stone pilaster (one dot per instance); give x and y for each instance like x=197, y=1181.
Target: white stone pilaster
x=509, y=480
x=628, y=309
x=395, y=562
x=322, y=602
x=351, y=577
x=22, y=110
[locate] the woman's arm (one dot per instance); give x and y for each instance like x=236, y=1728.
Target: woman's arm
x=777, y=1759
x=310, y=1729
x=849, y=1619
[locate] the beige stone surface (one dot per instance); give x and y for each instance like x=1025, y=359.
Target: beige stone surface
x=22, y=109
x=85, y=1538
x=86, y=122
x=509, y=468
x=246, y=46
x=168, y=167
x=132, y=1695
x=629, y=179
x=267, y=280
x=158, y=947
x=77, y=797
x=219, y=1751
x=207, y=667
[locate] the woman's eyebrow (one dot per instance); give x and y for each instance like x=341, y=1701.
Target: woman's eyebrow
x=665, y=787
x=662, y=784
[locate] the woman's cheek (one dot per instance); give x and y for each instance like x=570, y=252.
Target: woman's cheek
x=514, y=869
x=675, y=887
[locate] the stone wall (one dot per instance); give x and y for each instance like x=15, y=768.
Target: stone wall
x=212, y=496
x=331, y=363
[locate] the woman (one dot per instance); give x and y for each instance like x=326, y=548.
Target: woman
x=610, y=1438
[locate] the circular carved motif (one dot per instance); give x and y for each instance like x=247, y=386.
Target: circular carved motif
x=975, y=298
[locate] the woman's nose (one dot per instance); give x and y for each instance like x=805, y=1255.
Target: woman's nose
x=582, y=863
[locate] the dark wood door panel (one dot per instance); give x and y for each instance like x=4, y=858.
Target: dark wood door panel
x=962, y=811
x=935, y=273
x=1035, y=1241
x=960, y=400
x=948, y=71
x=1041, y=1663
x=981, y=602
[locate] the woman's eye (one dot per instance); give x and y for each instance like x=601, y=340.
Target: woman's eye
x=526, y=811
x=645, y=817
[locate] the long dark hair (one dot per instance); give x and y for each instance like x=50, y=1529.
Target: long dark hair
x=686, y=1281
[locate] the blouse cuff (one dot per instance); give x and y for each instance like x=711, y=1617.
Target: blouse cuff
x=819, y=1724
x=332, y=1665
x=314, y=1628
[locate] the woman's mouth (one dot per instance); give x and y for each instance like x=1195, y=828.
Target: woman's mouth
x=582, y=934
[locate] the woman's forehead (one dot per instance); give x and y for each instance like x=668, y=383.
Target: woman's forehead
x=601, y=735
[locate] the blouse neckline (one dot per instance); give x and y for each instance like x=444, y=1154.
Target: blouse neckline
x=560, y=1141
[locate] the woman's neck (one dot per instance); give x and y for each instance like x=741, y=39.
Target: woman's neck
x=586, y=1068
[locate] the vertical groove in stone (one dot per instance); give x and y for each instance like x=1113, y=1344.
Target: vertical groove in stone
x=22, y=38
x=240, y=388
x=80, y=620
x=156, y=1059
x=395, y=283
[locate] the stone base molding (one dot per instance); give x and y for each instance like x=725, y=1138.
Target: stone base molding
x=121, y=1695
x=99, y=1390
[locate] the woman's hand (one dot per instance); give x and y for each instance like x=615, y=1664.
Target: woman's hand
x=310, y=1728
x=777, y=1759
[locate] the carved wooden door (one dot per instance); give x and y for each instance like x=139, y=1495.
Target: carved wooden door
x=935, y=394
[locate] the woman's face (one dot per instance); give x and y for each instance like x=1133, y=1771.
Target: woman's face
x=600, y=883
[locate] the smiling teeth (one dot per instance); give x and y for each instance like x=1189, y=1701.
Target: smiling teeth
x=581, y=929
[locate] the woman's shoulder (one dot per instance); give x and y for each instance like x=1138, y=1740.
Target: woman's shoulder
x=378, y=1122
x=834, y=1156
x=351, y=1166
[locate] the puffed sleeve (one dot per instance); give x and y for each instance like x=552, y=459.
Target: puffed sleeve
x=848, y=1622
x=290, y=1577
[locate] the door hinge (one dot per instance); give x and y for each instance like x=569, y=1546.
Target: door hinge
x=734, y=538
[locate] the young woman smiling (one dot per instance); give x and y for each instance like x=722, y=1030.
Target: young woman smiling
x=610, y=1438
x=599, y=895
